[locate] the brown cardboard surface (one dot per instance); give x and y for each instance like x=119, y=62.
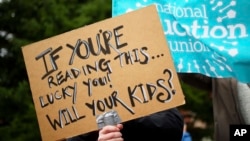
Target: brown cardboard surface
x=122, y=63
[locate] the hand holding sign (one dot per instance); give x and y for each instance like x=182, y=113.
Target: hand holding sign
x=111, y=133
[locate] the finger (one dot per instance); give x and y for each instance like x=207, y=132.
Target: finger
x=120, y=126
x=108, y=129
x=110, y=136
x=117, y=139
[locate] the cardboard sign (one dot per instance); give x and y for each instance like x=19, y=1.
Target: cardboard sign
x=120, y=64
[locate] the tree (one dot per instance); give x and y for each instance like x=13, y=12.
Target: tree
x=24, y=22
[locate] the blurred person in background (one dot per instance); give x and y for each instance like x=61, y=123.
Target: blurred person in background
x=227, y=107
x=186, y=135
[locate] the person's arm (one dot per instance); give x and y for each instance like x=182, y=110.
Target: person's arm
x=244, y=100
x=111, y=133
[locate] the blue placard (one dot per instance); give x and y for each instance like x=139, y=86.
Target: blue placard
x=210, y=37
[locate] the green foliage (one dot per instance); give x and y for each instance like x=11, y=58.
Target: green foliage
x=198, y=101
x=17, y=114
x=24, y=22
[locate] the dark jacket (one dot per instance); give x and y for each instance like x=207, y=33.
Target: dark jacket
x=161, y=126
